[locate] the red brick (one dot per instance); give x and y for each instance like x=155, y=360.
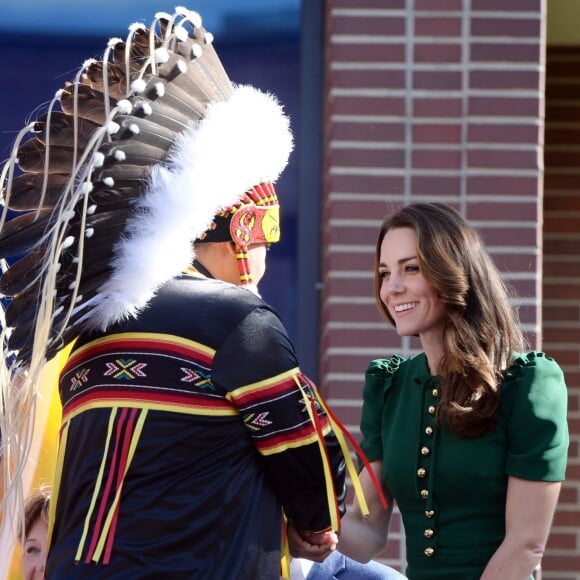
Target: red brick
x=505, y=159
x=499, y=133
x=384, y=184
x=511, y=27
x=528, y=314
x=505, y=52
x=383, y=158
x=523, y=211
x=563, y=541
x=367, y=4
x=562, y=159
x=509, y=236
x=562, y=113
x=504, y=79
x=561, y=562
x=437, y=53
x=436, y=133
x=353, y=235
x=560, y=313
x=364, y=52
x=564, y=357
x=436, y=80
x=523, y=288
x=506, y=6
x=370, y=131
x=368, y=25
x=560, y=335
x=378, y=79
x=349, y=287
x=515, y=262
x=436, y=185
x=394, y=106
x=562, y=292
x=359, y=209
x=436, y=159
x=502, y=185
x=353, y=313
x=561, y=136
x=555, y=202
x=562, y=91
x=437, y=107
x=567, y=519
x=509, y=106
x=356, y=337
x=431, y=5
x=431, y=26
x=560, y=247
x=562, y=225
x=568, y=495
x=562, y=181
x=559, y=70
x=345, y=363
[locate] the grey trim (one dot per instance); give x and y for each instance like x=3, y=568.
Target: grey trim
x=310, y=187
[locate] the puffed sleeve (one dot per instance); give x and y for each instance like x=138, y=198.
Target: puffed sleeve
x=534, y=401
x=378, y=379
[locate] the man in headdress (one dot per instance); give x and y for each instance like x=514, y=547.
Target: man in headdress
x=189, y=434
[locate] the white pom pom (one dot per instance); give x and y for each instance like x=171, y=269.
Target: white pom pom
x=138, y=86
x=161, y=55
x=113, y=127
x=98, y=159
x=124, y=106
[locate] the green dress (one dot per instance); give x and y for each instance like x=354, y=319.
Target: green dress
x=452, y=491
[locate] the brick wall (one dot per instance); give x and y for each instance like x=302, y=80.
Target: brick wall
x=561, y=283
x=440, y=100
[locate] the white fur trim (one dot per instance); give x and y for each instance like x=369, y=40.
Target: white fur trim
x=241, y=142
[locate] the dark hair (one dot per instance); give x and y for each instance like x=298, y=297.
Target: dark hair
x=35, y=507
x=482, y=328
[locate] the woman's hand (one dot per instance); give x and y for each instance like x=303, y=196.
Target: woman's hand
x=315, y=546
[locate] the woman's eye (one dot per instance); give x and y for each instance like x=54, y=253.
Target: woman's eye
x=411, y=268
x=32, y=550
x=383, y=275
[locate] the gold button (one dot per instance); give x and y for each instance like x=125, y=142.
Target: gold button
x=429, y=431
x=435, y=392
x=429, y=552
x=430, y=513
x=424, y=493
x=421, y=472
x=428, y=533
x=431, y=410
x=425, y=451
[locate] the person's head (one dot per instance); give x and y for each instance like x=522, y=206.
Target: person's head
x=222, y=260
x=451, y=258
x=234, y=247
x=455, y=287
x=35, y=534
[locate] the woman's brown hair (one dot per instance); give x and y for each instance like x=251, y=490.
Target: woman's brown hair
x=35, y=507
x=482, y=328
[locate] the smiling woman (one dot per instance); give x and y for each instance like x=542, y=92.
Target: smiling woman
x=469, y=437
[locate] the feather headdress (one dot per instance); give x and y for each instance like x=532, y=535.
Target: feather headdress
x=130, y=164
x=148, y=145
